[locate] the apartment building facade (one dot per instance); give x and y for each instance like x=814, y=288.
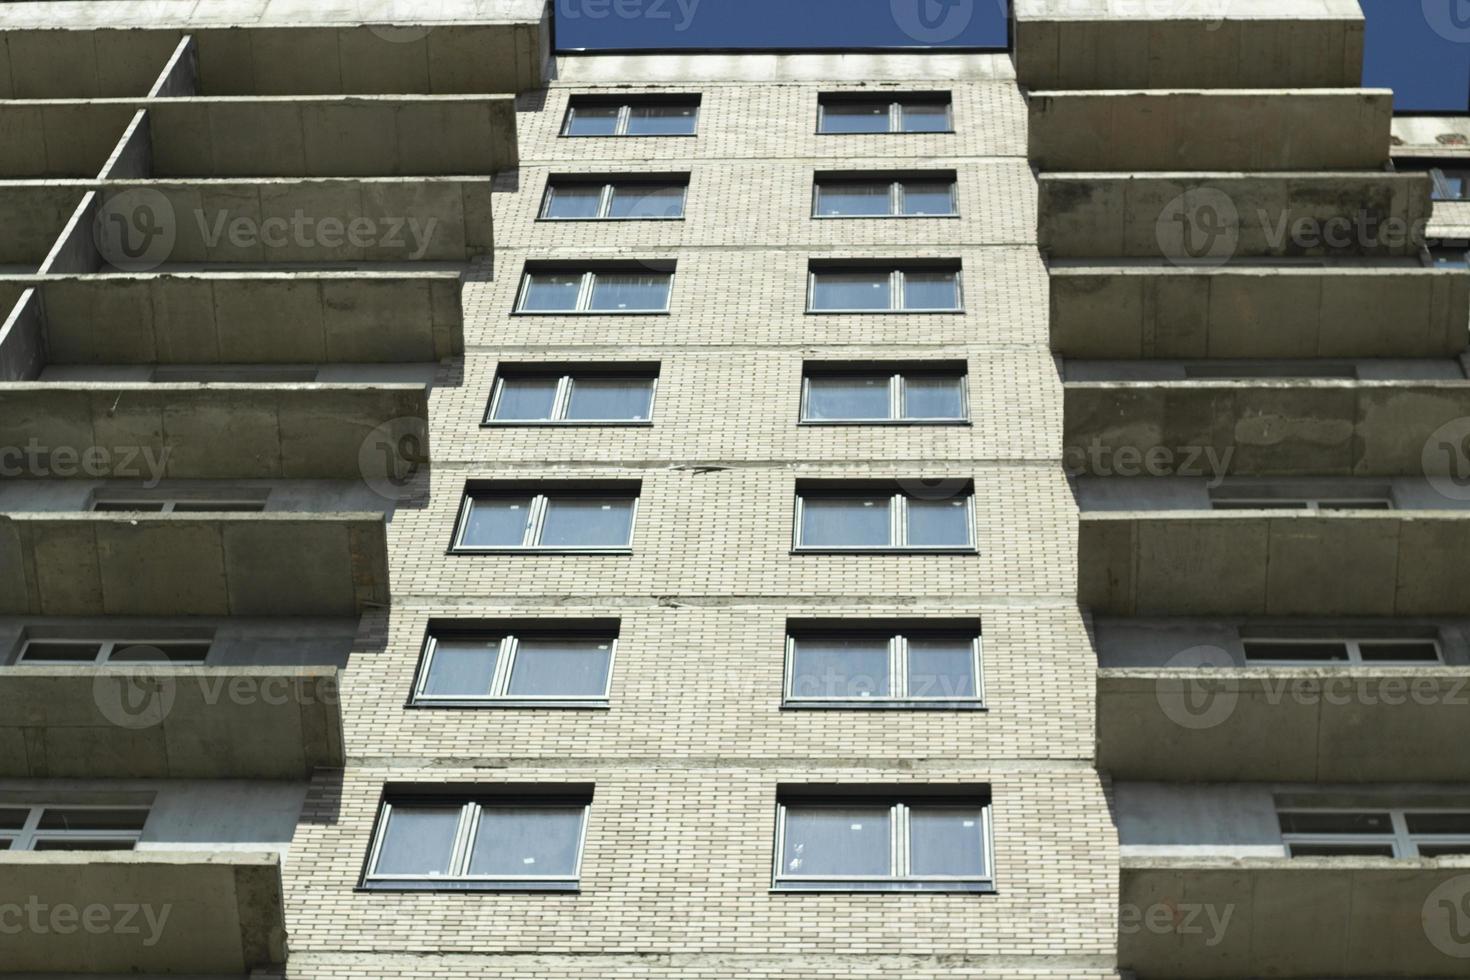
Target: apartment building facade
x=488, y=513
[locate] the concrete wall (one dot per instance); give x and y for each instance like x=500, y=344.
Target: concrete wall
x=250, y=642
x=279, y=496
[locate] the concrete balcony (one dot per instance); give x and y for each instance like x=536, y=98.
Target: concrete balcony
x=1137, y=310
x=218, y=912
x=109, y=564
x=1202, y=130
x=1111, y=44
x=33, y=214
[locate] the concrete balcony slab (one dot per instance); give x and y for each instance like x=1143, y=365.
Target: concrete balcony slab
x=107, y=564
x=212, y=912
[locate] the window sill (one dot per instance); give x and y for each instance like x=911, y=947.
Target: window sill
x=864, y=705
x=540, y=551
x=628, y=136
x=870, y=887
x=577, y=424
x=902, y=132
x=968, y=550
x=883, y=217
x=479, y=887
x=602, y=221
x=921, y=423
x=590, y=313
x=812, y=312
x=470, y=704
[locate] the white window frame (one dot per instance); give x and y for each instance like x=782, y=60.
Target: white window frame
x=897, y=396
x=898, y=531
x=625, y=115
x=900, y=846
x=896, y=109
x=895, y=289
x=464, y=838
x=105, y=650
x=898, y=674
x=896, y=192
x=1440, y=186
x=605, y=201
x=583, y=305
x=536, y=524
x=29, y=835
x=504, y=664
x=562, y=401
x=1307, y=505
x=1405, y=844
x=1354, y=646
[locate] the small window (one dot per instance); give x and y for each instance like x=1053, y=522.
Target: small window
x=881, y=520
x=883, y=290
x=861, y=843
x=922, y=666
x=63, y=827
x=641, y=117
x=83, y=652
x=123, y=503
x=840, y=394
x=518, y=842
x=1310, y=651
x=538, y=667
x=1387, y=832
x=623, y=199
x=904, y=197
x=1312, y=505
x=601, y=395
x=608, y=291
x=591, y=520
x=1449, y=179
x=920, y=113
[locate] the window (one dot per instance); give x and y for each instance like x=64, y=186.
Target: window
x=847, y=394
x=61, y=827
x=149, y=504
x=84, y=652
x=1251, y=371
x=592, y=395
x=619, y=199
x=884, y=290
x=1312, y=505
x=906, y=113
x=912, y=665
x=846, y=842
x=1312, y=651
x=917, y=196
x=579, y=520
x=884, y=520
x=1449, y=179
x=531, y=665
x=1375, y=832
x=591, y=116
x=644, y=290
x=516, y=841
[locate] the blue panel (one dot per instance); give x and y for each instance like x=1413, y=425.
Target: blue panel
x=1421, y=50
x=632, y=24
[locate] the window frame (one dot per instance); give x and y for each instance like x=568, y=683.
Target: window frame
x=583, y=305
x=561, y=401
x=504, y=664
x=609, y=187
x=1405, y=843
x=25, y=838
x=536, y=523
x=898, y=508
x=897, y=387
x=170, y=505
x=470, y=811
x=896, y=276
x=1305, y=505
x=896, y=191
x=896, y=106
x=107, y=647
x=1354, y=645
x=625, y=114
x=898, y=662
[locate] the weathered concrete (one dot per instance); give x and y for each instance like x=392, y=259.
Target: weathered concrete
x=1165, y=311
x=225, y=913
x=186, y=722
x=22, y=337
x=1446, y=137
x=32, y=214
x=191, y=565
x=64, y=138
x=1244, y=130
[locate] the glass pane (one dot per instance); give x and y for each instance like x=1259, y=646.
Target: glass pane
x=1439, y=823
x=1259, y=504
x=462, y=667
x=831, y=398
x=160, y=653
x=13, y=818
x=588, y=522
x=611, y=399
x=1267, y=650
x=623, y=291
x=574, y=201
x=851, y=291
x=1341, y=850
x=840, y=668
x=855, y=117
x=931, y=291
x=5, y=843
x=937, y=523
x=128, y=506
x=527, y=841
x=72, y=844
x=837, y=842
x=419, y=841
x=1399, y=651
x=219, y=507
x=551, y=292
x=1319, y=822
x=53, y=652
x=940, y=668
x=593, y=120
x=1377, y=503
x=922, y=197
x=561, y=668
x=924, y=117
x=100, y=818
x=1444, y=850
x=662, y=120
x=848, y=199
x=845, y=522
x=497, y=522
x=946, y=841
x=930, y=396
x=526, y=399
x=647, y=201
